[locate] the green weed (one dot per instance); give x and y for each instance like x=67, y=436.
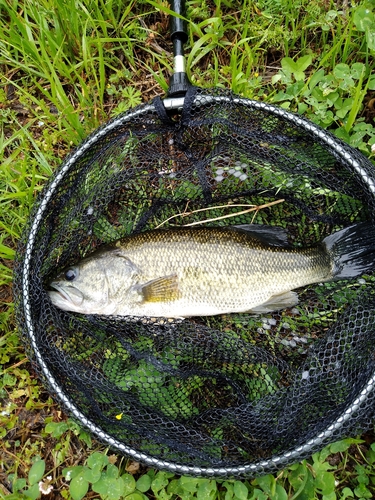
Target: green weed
x=309, y=480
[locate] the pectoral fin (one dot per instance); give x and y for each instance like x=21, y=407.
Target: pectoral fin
x=276, y=302
x=164, y=289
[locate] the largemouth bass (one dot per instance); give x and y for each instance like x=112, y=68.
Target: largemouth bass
x=207, y=271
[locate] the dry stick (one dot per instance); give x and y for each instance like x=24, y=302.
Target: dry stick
x=15, y=457
x=254, y=208
x=186, y=214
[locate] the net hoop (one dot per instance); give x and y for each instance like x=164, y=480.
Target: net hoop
x=262, y=466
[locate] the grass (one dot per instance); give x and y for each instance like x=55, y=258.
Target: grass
x=66, y=67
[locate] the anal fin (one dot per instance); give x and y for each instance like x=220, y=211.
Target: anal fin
x=276, y=302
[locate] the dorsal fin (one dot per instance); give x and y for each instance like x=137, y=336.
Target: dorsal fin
x=271, y=235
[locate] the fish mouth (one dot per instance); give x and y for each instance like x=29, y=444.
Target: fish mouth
x=63, y=298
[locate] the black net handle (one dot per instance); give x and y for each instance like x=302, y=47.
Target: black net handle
x=179, y=82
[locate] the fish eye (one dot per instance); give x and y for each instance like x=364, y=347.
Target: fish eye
x=71, y=274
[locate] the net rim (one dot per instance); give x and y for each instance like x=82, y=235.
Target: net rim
x=273, y=463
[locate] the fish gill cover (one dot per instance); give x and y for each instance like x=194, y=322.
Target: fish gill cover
x=226, y=395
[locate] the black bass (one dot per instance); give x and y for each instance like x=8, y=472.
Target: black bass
x=187, y=272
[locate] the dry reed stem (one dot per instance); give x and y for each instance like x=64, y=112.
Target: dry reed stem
x=254, y=208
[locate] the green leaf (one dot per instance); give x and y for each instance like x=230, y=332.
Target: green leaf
x=344, y=107
x=296, y=68
x=362, y=492
x=288, y=65
x=129, y=483
x=160, y=481
x=116, y=489
x=342, y=71
x=302, y=108
x=325, y=482
x=370, y=37
x=357, y=70
x=36, y=472
x=92, y=475
x=9, y=380
x=280, y=96
x=363, y=19
x=304, y=62
x=56, y=429
x=240, y=490
x=174, y=488
x=78, y=487
x=7, y=252
x=330, y=496
x=301, y=480
x=258, y=495
x=144, y=483
x=346, y=492
x=370, y=456
x=319, y=459
x=97, y=460
x=105, y=230
x=85, y=437
x=281, y=494
x=316, y=78
x=112, y=488
x=343, y=445
x=189, y=484
x=135, y=496
x=102, y=485
x=32, y=492
x=341, y=133
x=207, y=489
x=229, y=494
x=18, y=484
x=299, y=75
x=113, y=472
x=267, y=483
x=71, y=472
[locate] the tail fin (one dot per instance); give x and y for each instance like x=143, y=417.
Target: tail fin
x=352, y=250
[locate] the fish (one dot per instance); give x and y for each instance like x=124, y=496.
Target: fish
x=184, y=272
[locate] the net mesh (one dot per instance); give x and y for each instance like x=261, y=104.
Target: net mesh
x=228, y=395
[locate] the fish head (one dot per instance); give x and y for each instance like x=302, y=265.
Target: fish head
x=92, y=285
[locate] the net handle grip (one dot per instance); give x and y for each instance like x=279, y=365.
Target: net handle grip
x=179, y=82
